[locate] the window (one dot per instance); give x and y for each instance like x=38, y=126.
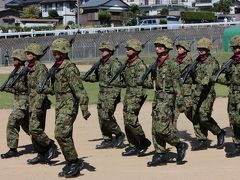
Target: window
x=59, y=7
x=157, y=2
x=146, y=2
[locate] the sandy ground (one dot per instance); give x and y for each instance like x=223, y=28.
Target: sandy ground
x=109, y=164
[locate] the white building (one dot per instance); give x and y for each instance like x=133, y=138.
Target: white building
x=187, y=3
x=64, y=8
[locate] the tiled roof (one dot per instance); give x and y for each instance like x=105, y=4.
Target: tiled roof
x=94, y=3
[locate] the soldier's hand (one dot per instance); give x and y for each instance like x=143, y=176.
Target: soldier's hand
x=86, y=114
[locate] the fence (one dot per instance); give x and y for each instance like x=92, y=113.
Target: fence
x=86, y=44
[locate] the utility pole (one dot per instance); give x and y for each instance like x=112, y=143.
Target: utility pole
x=78, y=19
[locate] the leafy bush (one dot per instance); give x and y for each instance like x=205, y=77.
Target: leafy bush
x=198, y=17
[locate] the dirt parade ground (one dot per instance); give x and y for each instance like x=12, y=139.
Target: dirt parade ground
x=109, y=164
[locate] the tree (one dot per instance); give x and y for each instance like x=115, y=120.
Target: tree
x=164, y=11
x=31, y=11
x=104, y=17
x=223, y=6
x=52, y=13
x=133, y=14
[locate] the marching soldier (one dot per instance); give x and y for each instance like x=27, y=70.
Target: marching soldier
x=108, y=98
x=69, y=93
x=204, y=95
x=168, y=91
x=38, y=105
x=183, y=61
x=232, y=79
x=19, y=115
x=134, y=99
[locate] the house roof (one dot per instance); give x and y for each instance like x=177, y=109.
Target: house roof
x=51, y=1
x=21, y=2
x=98, y=3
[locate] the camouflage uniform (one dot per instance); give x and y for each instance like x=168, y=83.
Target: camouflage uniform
x=19, y=114
x=167, y=94
x=38, y=103
x=134, y=99
x=69, y=93
x=187, y=91
x=204, y=93
x=232, y=79
x=109, y=96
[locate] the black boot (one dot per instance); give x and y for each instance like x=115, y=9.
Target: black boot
x=181, y=151
x=40, y=159
x=72, y=169
x=105, y=144
x=119, y=140
x=130, y=151
x=157, y=160
x=234, y=153
x=143, y=148
x=11, y=153
x=220, y=139
x=52, y=151
x=201, y=145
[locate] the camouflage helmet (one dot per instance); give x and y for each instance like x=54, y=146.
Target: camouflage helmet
x=19, y=54
x=106, y=45
x=134, y=44
x=204, y=43
x=35, y=49
x=184, y=44
x=164, y=40
x=235, y=41
x=61, y=44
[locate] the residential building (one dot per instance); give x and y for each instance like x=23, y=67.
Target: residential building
x=66, y=9
x=90, y=11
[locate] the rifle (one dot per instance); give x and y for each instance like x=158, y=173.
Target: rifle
x=123, y=67
x=96, y=65
x=189, y=69
x=152, y=67
x=11, y=75
x=51, y=72
x=224, y=68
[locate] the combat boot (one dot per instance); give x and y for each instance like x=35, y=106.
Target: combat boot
x=143, y=148
x=119, y=140
x=220, y=139
x=73, y=169
x=181, y=151
x=158, y=159
x=52, y=151
x=105, y=144
x=234, y=153
x=11, y=153
x=40, y=159
x=201, y=145
x=130, y=151
x=66, y=168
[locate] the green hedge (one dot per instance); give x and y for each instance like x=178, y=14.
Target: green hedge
x=198, y=16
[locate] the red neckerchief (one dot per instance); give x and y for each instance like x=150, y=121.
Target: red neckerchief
x=105, y=59
x=203, y=57
x=236, y=58
x=58, y=63
x=30, y=66
x=181, y=57
x=161, y=60
x=130, y=61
